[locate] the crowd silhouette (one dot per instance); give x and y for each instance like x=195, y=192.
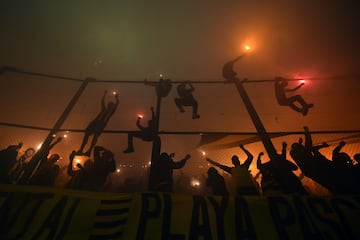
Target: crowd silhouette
x=339, y=174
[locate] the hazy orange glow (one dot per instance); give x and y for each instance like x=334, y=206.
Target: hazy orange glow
x=247, y=47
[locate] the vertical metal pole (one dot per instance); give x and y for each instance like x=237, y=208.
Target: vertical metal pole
x=156, y=144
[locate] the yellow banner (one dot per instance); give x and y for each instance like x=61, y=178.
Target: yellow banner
x=28, y=212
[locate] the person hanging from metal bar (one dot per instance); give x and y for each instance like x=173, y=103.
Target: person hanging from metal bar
x=228, y=72
x=163, y=87
x=147, y=134
x=293, y=101
x=96, y=126
x=186, y=98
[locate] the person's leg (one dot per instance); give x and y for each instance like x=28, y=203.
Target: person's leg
x=301, y=101
x=195, y=109
x=291, y=102
x=84, y=142
x=179, y=104
x=93, y=142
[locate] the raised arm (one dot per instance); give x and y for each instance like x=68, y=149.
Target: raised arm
x=116, y=100
x=54, y=143
x=338, y=148
x=258, y=161
x=283, y=150
x=295, y=88
x=103, y=100
x=181, y=163
x=223, y=167
x=250, y=157
x=138, y=124
x=308, y=139
x=97, y=152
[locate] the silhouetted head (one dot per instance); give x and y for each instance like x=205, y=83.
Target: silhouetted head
x=29, y=152
x=297, y=146
x=165, y=158
x=281, y=81
x=108, y=155
x=54, y=158
x=235, y=160
x=343, y=158
x=164, y=155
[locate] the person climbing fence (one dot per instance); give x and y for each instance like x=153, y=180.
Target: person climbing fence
x=96, y=126
x=147, y=133
x=296, y=102
x=186, y=98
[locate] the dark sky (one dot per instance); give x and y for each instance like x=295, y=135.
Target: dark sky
x=184, y=40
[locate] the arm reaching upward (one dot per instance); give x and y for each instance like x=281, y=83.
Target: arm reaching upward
x=181, y=163
x=338, y=148
x=138, y=124
x=295, y=88
x=250, y=157
x=258, y=161
x=283, y=150
x=116, y=100
x=223, y=167
x=103, y=100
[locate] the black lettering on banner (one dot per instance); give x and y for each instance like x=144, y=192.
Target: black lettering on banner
x=198, y=229
x=282, y=214
x=244, y=225
x=220, y=214
x=17, y=203
x=166, y=234
x=339, y=204
x=52, y=221
x=68, y=218
x=37, y=199
x=321, y=209
x=308, y=226
x=7, y=221
x=147, y=213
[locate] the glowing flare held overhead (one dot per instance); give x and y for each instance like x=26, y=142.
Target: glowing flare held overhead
x=247, y=48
